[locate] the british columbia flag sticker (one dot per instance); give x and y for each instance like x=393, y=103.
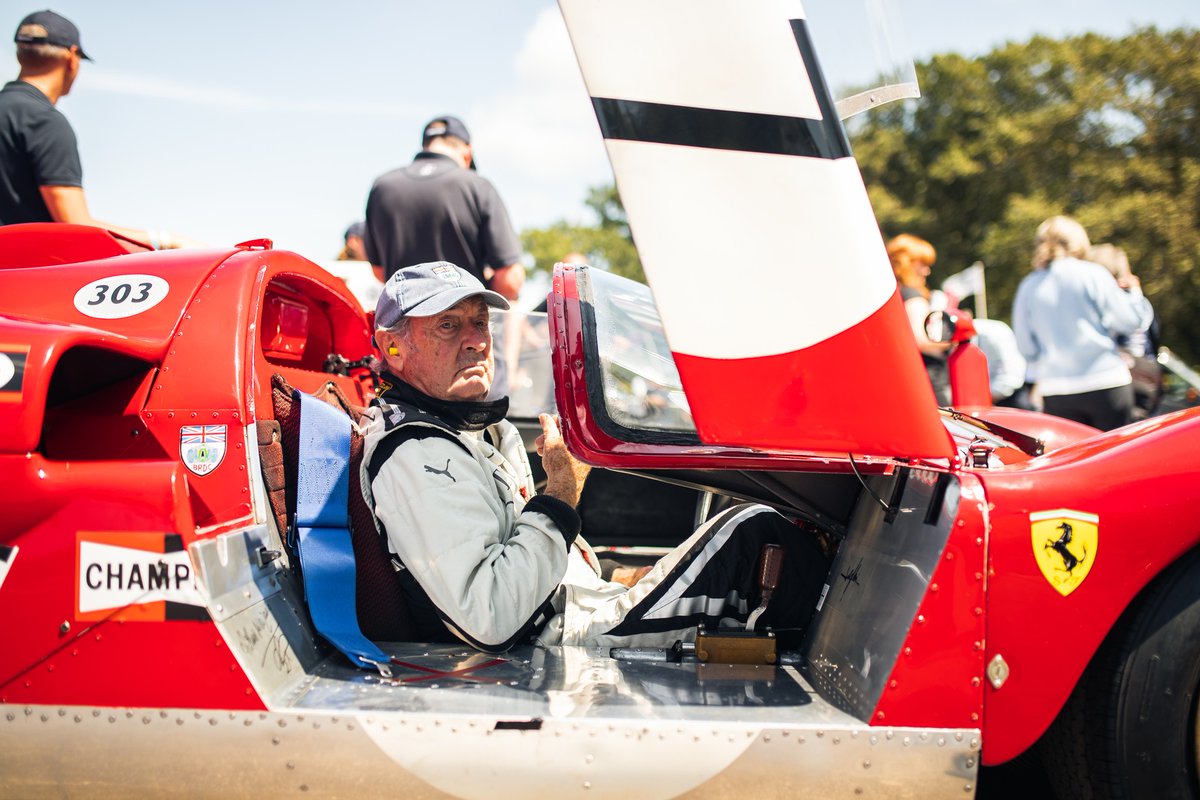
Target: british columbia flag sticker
x=202, y=447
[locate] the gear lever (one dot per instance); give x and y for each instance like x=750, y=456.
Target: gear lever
x=769, y=565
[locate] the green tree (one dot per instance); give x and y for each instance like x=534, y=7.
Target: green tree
x=1105, y=130
x=607, y=244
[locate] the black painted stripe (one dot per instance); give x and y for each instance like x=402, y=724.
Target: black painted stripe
x=6, y=552
x=639, y=121
x=18, y=361
x=183, y=612
x=534, y=724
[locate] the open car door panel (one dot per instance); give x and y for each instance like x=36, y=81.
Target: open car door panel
x=619, y=391
x=623, y=406
x=725, y=175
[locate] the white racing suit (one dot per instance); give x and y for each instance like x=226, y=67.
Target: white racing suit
x=480, y=556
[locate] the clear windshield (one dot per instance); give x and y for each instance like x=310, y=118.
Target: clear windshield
x=521, y=342
x=864, y=52
x=641, y=385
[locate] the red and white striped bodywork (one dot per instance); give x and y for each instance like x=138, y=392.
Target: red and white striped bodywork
x=754, y=227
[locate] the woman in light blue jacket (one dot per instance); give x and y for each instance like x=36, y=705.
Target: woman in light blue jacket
x=1065, y=316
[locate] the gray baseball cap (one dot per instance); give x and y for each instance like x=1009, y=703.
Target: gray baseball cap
x=428, y=289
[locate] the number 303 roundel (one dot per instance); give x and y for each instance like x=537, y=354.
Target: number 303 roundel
x=121, y=296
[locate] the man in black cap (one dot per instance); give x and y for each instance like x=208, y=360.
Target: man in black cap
x=41, y=179
x=439, y=209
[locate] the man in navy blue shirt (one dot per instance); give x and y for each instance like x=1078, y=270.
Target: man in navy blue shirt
x=439, y=209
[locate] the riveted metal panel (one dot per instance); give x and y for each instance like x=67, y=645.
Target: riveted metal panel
x=881, y=573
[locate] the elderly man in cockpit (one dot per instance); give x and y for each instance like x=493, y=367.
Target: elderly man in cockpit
x=485, y=559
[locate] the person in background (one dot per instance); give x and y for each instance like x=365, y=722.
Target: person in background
x=362, y=279
x=1006, y=365
x=439, y=209
x=912, y=258
x=353, y=248
x=41, y=177
x=1140, y=348
x=1065, y=315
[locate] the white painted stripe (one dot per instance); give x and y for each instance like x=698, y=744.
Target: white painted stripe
x=668, y=605
x=1064, y=513
x=723, y=54
x=6, y=563
x=751, y=254
x=633, y=754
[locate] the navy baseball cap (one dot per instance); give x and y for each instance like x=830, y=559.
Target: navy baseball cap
x=446, y=125
x=428, y=289
x=46, y=27
x=358, y=229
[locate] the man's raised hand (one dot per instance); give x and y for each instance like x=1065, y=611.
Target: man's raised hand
x=564, y=473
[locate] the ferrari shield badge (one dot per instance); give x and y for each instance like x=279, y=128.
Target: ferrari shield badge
x=1064, y=546
x=202, y=447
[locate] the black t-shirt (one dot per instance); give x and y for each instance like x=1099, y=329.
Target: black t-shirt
x=37, y=148
x=935, y=365
x=434, y=210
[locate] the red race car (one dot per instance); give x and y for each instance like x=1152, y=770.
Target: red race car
x=1000, y=580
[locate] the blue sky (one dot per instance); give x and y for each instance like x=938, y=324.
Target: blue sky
x=226, y=121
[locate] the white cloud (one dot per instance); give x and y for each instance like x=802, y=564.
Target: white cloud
x=146, y=86
x=539, y=142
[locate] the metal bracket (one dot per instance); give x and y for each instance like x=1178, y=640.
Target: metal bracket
x=735, y=646
x=980, y=452
x=263, y=556
x=385, y=669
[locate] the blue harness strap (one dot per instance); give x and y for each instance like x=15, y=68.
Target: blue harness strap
x=323, y=531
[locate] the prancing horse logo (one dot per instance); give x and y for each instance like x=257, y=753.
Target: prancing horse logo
x=1065, y=543
x=445, y=471
x=1059, y=545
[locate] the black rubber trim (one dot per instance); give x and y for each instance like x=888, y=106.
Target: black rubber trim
x=524, y=634
x=816, y=78
x=565, y=518
x=594, y=379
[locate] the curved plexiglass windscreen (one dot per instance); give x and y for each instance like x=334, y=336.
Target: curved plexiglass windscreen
x=521, y=343
x=864, y=52
x=640, y=384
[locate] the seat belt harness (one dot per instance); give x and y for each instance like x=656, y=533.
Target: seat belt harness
x=323, y=532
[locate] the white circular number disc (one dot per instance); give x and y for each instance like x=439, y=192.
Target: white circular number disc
x=7, y=369
x=121, y=296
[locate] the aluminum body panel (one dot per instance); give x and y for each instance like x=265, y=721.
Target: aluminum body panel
x=79, y=751
x=878, y=579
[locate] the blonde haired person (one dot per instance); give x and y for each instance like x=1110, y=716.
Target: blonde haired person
x=912, y=257
x=1066, y=313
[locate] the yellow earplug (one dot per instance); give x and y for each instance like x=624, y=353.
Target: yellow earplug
x=392, y=351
